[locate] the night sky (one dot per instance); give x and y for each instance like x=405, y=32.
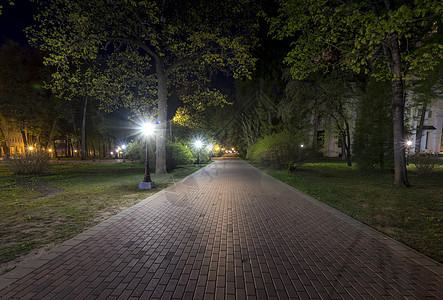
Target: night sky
x=14, y=19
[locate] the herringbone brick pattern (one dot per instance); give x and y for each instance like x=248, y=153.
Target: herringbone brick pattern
x=228, y=232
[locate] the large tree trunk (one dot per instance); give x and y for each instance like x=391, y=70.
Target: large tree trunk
x=83, y=151
x=419, y=132
x=393, y=59
x=160, y=153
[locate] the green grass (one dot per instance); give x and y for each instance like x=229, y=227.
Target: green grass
x=412, y=216
x=90, y=193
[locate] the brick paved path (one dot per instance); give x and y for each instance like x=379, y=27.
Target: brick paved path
x=228, y=231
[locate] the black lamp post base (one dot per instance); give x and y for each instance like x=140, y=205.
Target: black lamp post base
x=146, y=185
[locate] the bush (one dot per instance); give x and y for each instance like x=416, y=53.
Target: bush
x=424, y=162
x=32, y=163
x=280, y=150
x=177, y=154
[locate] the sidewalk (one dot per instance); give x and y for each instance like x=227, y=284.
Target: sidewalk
x=228, y=232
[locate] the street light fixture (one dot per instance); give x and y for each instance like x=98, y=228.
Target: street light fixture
x=147, y=184
x=198, y=144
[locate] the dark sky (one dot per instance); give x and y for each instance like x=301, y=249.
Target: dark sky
x=14, y=19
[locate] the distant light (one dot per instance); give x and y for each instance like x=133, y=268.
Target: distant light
x=409, y=143
x=124, y=147
x=75, y=151
x=302, y=145
x=50, y=150
x=217, y=148
x=112, y=153
x=233, y=149
x=210, y=147
x=31, y=148
x=198, y=144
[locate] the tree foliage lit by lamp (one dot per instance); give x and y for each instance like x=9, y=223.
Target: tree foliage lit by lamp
x=147, y=184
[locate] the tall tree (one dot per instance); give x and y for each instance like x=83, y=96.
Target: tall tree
x=395, y=40
x=148, y=46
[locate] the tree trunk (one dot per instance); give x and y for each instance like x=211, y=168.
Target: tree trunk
x=160, y=153
x=398, y=110
x=393, y=59
x=68, y=152
x=419, y=132
x=55, y=149
x=347, y=145
x=25, y=140
x=83, y=150
x=51, y=136
x=315, y=133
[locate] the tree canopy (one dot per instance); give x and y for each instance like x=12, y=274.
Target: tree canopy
x=144, y=49
x=389, y=40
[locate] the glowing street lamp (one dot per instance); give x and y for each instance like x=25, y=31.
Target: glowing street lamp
x=147, y=129
x=30, y=148
x=198, y=144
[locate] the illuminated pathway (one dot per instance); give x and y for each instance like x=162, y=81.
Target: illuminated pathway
x=228, y=231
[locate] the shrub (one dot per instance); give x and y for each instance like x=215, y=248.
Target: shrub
x=424, y=162
x=280, y=150
x=137, y=150
x=177, y=154
x=32, y=163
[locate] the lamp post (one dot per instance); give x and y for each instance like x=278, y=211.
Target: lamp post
x=147, y=183
x=210, y=147
x=408, y=148
x=198, y=144
x=123, y=152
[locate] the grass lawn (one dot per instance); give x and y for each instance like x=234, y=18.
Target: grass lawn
x=39, y=211
x=413, y=216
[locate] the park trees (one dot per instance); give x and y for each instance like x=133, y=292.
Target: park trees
x=22, y=97
x=390, y=40
x=145, y=48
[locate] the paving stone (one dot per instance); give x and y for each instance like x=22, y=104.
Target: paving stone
x=228, y=231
